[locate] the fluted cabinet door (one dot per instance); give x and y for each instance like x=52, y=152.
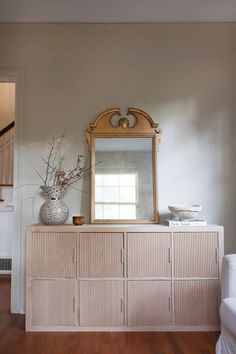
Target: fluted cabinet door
x=102, y=303
x=53, y=302
x=149, y=254
x=149, y=302
x=53, y=254
x=196, y=302
x=196, y=254
x=101, y=255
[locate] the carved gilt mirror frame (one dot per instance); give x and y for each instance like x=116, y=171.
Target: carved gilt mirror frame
x=136, y=124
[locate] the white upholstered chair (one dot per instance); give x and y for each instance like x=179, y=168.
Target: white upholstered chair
x=227, y=341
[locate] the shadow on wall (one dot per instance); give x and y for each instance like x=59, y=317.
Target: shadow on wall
x=196, y=161
x=164, y=217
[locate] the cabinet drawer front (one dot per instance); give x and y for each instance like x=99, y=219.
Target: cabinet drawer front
x=149, y=302
x=101, y=255
x=53, y=254
x=149, y=254
x=101, y=303
x=196, y=254
x=53, y=302
x=196, y=302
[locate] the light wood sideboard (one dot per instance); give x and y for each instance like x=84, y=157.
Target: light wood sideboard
x=123, y=278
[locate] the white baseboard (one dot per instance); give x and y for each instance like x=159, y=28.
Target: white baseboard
x=5, y=272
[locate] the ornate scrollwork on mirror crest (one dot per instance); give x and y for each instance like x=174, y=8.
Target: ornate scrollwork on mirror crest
x=103, y=124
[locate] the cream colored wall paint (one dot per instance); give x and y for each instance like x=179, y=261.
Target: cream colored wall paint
x=183, y=75
x=7, y=103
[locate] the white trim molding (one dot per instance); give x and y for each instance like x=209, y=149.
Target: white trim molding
x=16, y=76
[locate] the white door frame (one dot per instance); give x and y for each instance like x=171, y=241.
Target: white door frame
x=16, y=76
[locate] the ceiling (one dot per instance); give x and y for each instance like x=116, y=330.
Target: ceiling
x=117, y=11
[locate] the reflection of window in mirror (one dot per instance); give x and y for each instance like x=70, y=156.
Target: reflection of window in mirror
x=116, y=196
x=123, y=179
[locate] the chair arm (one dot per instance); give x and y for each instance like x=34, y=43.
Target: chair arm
x=228, y=283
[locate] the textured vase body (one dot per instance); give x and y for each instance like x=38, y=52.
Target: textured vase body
x=54, y=211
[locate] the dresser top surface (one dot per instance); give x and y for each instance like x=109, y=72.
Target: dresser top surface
x=123, y=228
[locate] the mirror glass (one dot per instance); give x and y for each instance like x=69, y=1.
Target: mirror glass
x=123, y=179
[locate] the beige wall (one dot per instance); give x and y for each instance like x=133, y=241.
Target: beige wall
x=183, y=75
x=7, y=103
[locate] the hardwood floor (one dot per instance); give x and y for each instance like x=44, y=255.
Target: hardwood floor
x=14, y=340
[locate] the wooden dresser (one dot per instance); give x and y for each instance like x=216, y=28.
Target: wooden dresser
x=123, y=278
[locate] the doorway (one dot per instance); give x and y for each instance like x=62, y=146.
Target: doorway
x=7, y=130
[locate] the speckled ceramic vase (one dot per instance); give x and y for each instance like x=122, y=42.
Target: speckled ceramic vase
x=54, y=211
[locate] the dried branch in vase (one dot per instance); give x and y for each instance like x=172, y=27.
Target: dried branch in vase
x=55, y=174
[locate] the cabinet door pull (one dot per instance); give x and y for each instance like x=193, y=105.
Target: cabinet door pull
x=73, y=304
x=74, y=256
x=122, y=255
x=217, y=255
x=169, y=303
x=218, y=301
x=122, y=305
x=169, y=255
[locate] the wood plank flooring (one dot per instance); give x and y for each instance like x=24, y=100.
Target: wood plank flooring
x=14, y=340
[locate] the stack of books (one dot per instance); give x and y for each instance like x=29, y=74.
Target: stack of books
x=189, y=222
